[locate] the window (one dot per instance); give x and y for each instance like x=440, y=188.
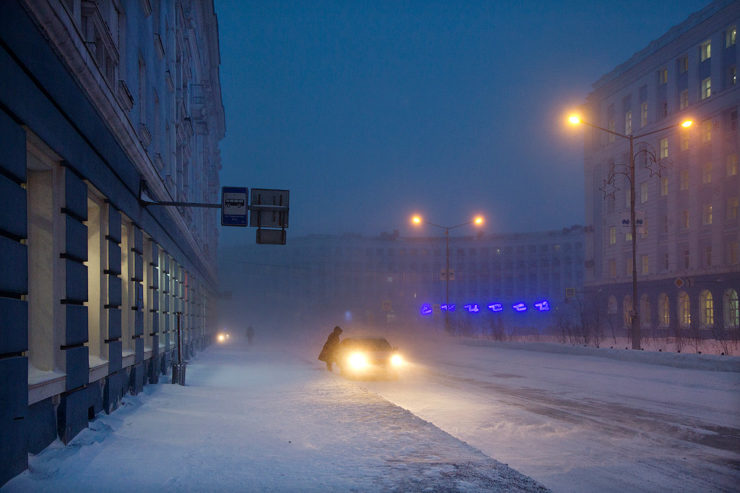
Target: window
x=733, y=252
x=685, y=219
x=97, y=292
x=707, y=256
x=706, y=173
x=731, y=75
x=684, y=141
x=731, y=209
x=645, y=315
x=612, y=268
x=628, y=263
x=643, y=114
x=643, y=228
x=707, y=308
x=705, y=50
x=612, y=235
x=684, y=99
x=730, y=36
x=666, y=262
x=706, y=131
x=662, y=75
x=627, y=310
x=732, y=309
x=706, y=88
x=663, y=148
x=683, y=179
x=628, y=236
x=731, y=164
x=684, y=310
x=683, y=64
x=611, y=305
x=664, y=186
x=43, y=203
x=645, y=265
x=628, y=122
x=664, y=310
x=706, y=216
x=128, y=293
x=686, y=258
x=643, y=192
x=611, y=126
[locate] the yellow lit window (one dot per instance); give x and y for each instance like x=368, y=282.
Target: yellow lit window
x=683, y=64
x=684, y=310
x=706, y=88
x=732, y=208
x=645, y=264
x=628, y=122
x=731, y=165
x=730, y=36
x=707, y=308
x=706, y=131
x=612, y=235
x=663, y=148
x=707, y=214
x=683, y=177
x=684, y=102
x=705, y=50
x=664, y=186
x=663, y=76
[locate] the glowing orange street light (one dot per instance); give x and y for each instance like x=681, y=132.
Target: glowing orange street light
x=417, y=220
x=630, y=174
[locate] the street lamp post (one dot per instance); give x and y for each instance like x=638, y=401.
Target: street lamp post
x=635, y=319
x=417, y=221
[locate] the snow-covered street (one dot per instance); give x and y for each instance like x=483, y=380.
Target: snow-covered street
x=256, y=419
x=581, y=419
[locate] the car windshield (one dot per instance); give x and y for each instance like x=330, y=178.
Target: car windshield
x=371, y=344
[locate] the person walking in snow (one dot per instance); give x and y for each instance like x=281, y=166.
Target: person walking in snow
x=328, y=352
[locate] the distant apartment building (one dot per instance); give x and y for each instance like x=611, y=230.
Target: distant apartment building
x=394, y=280
x=100, y=100
x=687, y=188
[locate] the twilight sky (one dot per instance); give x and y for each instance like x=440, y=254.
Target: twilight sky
x=368, y=111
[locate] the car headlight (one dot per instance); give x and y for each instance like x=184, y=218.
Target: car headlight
x=396, y=360
x=357, y=361
x=221, y=338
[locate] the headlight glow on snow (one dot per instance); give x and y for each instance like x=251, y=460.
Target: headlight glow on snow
x=396, y=360
x=357, y=361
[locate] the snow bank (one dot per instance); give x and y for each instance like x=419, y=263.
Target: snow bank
x=709, y=362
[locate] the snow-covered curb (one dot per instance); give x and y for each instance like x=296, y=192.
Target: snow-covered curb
x=709, y=362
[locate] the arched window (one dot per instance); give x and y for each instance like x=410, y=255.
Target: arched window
x=732, y=309
x=645, y=311
x=664, y=310
x=707, y=308
x=612, y=306
x=684, y=309
x=627, y=311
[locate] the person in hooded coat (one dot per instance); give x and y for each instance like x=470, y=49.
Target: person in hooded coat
x=328, y=352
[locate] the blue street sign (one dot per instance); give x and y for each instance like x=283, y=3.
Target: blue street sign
x=234, y=206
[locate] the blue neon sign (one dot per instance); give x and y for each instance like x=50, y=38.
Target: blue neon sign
x=426, y=309
x=543, y=306
x=496, y=307
x=520, y=307
x=472, y=307
x=448, y=308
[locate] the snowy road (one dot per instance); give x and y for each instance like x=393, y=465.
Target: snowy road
x=579, y=422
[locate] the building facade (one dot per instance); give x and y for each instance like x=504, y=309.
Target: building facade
x=100, y=100
x=687, y=187
x=391, y=280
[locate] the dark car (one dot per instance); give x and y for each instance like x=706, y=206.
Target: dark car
x=368, y=357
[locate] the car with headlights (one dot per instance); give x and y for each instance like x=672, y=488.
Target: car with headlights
x=368, y=357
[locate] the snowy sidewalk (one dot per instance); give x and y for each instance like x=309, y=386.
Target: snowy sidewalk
x=261, y=420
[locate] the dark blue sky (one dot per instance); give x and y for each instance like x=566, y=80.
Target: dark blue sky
x=369, y=111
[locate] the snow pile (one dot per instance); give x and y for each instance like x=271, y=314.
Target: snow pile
x=263, y=420
x=710, y=362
